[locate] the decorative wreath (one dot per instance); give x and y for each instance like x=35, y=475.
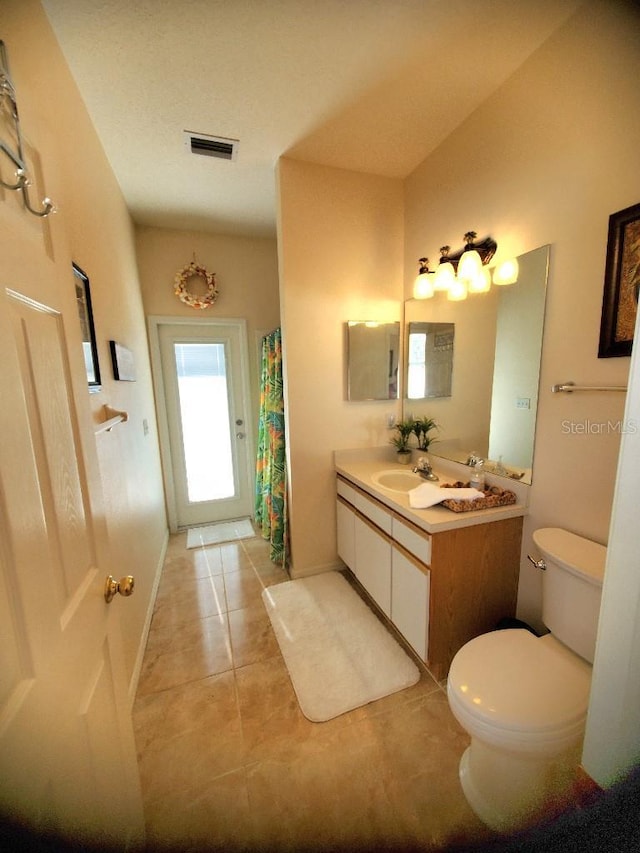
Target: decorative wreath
x=183, y=293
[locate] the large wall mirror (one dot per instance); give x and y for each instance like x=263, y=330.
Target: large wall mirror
x=373, y=360
x=491, y=410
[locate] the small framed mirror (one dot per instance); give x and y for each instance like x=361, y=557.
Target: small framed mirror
x=373, y=359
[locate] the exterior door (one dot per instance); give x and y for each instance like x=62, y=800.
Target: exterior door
x=67, y=754
x=208, y=440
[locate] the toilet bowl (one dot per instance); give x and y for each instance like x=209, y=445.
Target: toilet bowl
x=523, y=699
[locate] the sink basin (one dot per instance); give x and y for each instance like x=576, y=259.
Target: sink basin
x=397, y=481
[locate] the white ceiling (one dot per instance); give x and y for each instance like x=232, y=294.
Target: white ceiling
x=368, y=85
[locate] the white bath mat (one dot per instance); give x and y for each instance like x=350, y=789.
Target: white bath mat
x=338, y=653
x=214, y=534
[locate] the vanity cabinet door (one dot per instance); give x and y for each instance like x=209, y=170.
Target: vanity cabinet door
x=373, y=563
x=346, y=534
x=410, y=600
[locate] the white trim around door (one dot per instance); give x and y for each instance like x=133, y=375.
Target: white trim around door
x=246, y=447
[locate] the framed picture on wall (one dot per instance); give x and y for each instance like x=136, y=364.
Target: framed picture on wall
x=85, y=315
x=621, y=283
x=124, y=368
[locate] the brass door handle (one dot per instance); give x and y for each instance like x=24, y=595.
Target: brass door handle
x=124, y=586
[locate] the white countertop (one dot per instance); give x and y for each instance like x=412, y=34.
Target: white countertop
x=359, y=466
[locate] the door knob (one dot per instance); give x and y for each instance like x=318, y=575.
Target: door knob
x=124, y=586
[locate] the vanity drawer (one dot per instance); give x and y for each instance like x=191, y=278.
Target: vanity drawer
x=347, y=492
x=381, y=517
x=370, y=508
x=416, y=541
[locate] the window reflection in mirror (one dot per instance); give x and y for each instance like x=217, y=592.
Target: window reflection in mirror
x=373, y=359
x=429, y=360
x=498, y=340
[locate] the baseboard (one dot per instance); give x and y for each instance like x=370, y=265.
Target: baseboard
x=135, y=675
x=336, y=566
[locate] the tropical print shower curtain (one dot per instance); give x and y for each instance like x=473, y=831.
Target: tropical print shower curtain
x=271, y=485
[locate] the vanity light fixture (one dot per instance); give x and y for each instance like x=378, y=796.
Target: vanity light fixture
x=466, y=271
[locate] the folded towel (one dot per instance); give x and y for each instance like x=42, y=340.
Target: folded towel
x=427, y=494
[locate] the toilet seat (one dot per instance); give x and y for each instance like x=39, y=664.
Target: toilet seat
x=514, y=689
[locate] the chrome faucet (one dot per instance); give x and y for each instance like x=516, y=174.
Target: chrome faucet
x=424, y=469
x=473, y=460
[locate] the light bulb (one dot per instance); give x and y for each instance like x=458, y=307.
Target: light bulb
x=445, y=274
x=469, y=265
x=481, y=283
x=457, y=290
x=423, y=286
x=506, y=272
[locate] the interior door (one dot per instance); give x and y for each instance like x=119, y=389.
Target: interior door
x=67, y=754
x=205, y=391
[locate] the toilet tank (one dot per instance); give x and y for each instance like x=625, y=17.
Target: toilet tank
x=571, y=587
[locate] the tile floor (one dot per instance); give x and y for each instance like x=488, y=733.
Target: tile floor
x=228, y=760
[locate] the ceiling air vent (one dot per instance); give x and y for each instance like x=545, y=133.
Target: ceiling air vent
x=211, y=146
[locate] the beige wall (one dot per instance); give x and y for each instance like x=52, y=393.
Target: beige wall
x=246, y=275
x=547, y=159
x=93, y=229
x=340, y=248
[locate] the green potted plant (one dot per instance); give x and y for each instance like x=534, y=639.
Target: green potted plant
x=421, y=429
x=401, y=440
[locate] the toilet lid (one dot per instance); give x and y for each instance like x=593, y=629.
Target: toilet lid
x=515, y=680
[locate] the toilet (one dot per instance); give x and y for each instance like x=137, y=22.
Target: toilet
x=523, y=699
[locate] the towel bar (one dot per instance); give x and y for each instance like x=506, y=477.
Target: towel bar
x=112, y=418
x=569, y=387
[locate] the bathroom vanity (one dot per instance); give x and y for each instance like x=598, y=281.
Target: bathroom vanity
x=440, y=577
